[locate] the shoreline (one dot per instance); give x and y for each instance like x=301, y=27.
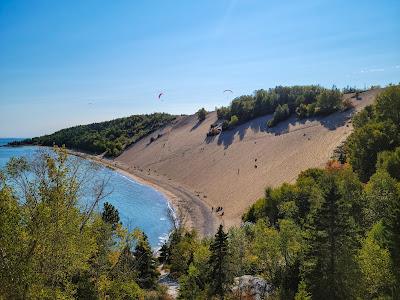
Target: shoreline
x=185, y=207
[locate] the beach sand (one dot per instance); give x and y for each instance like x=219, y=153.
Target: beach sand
x=197, y=173
x=233, y=169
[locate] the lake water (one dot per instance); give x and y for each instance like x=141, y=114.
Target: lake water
x=138, y=205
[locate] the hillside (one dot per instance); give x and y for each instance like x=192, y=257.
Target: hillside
x=232, y=169
x=110, y=137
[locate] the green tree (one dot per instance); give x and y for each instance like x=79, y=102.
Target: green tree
x=110, y=215
x=380, y=194
x=364, y=117
x=50, y=248
x=390, y=162
x=193, y=285
x=240, y=250
x=201, y=114
x=376, y=265
x=14, y=272
x=219, y=277
x=366, y=142
x=266, y=249
x=329, y=101
x=145, y=264
x=282, y=112
x=57, y=242
x=388, y=105
x=331, y=239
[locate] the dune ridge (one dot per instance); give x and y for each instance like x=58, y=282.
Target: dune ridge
x=232, y=169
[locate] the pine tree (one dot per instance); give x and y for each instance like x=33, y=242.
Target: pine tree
x=331, y=238
x=219, y=276
x=110, y=215
x=145, y=264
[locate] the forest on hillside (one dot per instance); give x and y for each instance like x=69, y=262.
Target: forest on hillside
x=282, y=102
x=334, y=234
x=110, y=137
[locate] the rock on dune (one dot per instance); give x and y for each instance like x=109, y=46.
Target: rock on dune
x=233, y=168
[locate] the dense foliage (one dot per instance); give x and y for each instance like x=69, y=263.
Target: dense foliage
x=110, y=137
x=51, y=248
x=328, y=236
x=282, y=102
x=377, y=128
x=350, y=231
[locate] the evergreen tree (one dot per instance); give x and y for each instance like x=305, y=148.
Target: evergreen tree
x=110, y=215
x=145, y=264
x=329, y=259
x=164, y=253
x=219, y=276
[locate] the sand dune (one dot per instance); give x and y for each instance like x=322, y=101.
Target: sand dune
x=232, y=169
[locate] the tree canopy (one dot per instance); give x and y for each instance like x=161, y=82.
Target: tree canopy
x=282, y=102
x=52, y=248
x=110, y=137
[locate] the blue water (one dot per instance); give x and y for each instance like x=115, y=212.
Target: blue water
x=138, y=205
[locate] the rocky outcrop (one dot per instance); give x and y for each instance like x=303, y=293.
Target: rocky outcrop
x=249, y=287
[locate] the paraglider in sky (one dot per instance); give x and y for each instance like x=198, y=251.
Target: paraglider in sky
x=227, y=93
x=159, y=95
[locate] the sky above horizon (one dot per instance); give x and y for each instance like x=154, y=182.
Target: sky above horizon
x=65, y=63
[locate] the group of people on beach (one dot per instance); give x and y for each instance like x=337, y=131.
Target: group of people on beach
x=219, y=210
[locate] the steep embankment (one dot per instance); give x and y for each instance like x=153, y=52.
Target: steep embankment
x=232, y=169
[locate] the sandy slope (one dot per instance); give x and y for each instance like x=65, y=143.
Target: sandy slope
x=232, y=170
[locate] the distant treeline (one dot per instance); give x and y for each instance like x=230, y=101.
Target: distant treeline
x=110, y=137
x=282, y=102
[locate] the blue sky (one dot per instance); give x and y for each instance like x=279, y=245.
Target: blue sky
x=64, y=63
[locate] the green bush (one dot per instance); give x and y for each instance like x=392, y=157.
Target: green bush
x=281, y=113
x=377, y=129
x=328, y=101
x=234, y=120
x=201, y=114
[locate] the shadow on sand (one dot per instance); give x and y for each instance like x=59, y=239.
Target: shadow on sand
x=196, y=125
x=330, y=122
